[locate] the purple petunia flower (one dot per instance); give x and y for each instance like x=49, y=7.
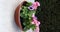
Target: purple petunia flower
x=34, y=6
x=31, y=8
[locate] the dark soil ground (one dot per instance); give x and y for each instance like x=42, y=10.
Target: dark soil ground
x=49, y=15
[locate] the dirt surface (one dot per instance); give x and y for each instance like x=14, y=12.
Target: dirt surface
x=49, y=15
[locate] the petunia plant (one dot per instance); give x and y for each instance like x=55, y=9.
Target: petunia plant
x=28, y=14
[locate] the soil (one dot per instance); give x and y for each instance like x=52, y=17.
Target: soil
x=49, y=15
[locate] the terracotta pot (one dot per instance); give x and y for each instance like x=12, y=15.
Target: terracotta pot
x=17, y=16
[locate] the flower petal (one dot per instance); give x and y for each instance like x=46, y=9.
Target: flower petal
x=37, y=3
x=31, y=8
x=38, y=22
x=32, y=22
x=37, y=29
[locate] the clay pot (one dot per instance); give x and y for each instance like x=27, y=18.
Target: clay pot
x=17, y=16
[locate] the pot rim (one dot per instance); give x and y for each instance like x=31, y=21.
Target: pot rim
x=17, y=16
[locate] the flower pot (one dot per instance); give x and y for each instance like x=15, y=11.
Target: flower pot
x=27, y=14
x=17, y=16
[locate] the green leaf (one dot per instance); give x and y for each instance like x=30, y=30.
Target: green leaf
x=30, y=13
x=28, y=4
x=33, y=26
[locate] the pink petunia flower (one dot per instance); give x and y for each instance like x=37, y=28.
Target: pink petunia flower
x=36, y=22
x=34, y=5
x=37, y=29
x=37, y=3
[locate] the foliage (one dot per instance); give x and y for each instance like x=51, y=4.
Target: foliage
x=27, y=15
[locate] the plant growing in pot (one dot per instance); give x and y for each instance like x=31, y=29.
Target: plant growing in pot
x=25, y=16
